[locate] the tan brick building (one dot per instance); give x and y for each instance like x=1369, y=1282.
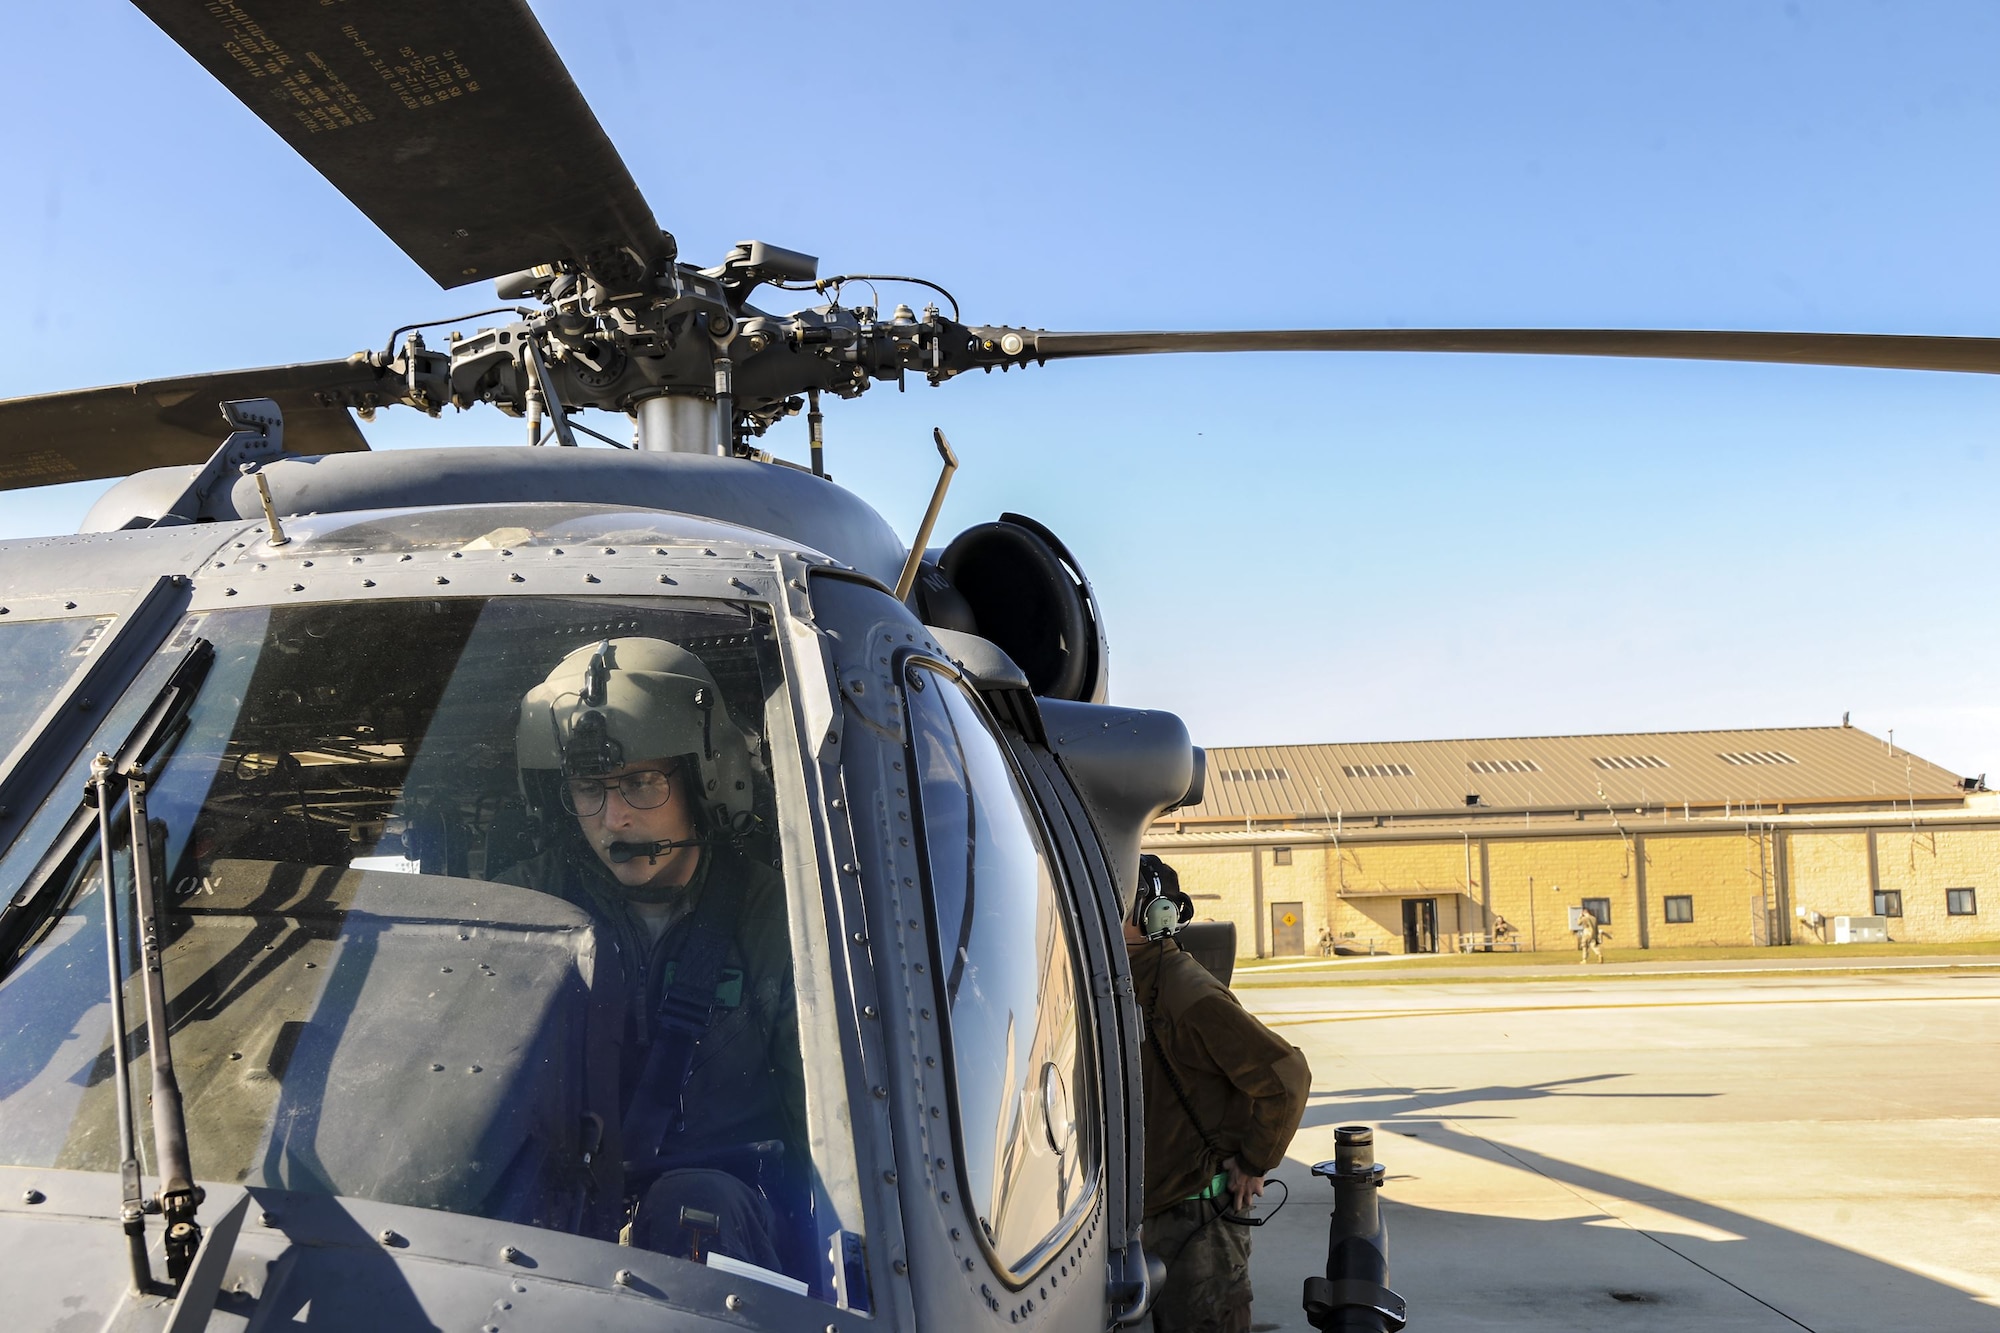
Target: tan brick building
x=1675, y=838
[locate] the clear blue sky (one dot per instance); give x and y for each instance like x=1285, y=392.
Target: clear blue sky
x=1289, y=548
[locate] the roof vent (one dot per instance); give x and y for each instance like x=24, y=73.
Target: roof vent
x=1756, y=757
x=1503, y=766
x=1254, y=775
x=1630, y=761
x=1378, y=770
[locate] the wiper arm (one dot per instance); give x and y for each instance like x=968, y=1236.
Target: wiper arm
x=179, y=1196
x=131, y=1210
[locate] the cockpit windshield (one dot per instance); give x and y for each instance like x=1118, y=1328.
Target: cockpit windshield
x=405, y=964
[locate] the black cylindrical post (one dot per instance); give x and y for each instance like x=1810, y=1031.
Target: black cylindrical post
x=1354, y=1296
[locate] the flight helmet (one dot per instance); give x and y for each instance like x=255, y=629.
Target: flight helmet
x=620, y=701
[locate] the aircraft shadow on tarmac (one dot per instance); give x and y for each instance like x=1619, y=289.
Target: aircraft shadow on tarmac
x=1387, y=1105
x=1593, y=1270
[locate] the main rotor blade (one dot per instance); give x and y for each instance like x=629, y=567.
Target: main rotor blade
x=84, y=434
x=1878, y=350
x=453, y=126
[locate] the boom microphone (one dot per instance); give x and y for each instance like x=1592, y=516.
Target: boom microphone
x=621, y=852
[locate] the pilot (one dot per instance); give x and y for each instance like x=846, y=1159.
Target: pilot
x=644, y=787
x=1224, y=1095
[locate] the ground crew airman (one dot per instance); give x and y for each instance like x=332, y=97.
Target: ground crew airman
x=1224, y=1095
x=1589, y=936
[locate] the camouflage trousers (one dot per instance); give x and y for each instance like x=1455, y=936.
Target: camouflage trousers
x=1208, y=1271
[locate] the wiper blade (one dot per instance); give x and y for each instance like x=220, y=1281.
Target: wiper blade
x=29, y=773
x=31, y=901
x=179, y=1196
x=161, y=723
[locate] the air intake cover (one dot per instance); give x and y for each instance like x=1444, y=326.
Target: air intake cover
x=1028, y=595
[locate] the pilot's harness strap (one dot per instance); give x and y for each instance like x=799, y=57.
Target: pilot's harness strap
x=685, y=1011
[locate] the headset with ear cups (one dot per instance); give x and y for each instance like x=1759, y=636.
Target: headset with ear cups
x=1160, y=909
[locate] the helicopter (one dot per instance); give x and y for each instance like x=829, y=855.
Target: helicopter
x=301, y=661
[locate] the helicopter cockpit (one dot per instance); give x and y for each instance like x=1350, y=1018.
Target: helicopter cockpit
x=375, y=999
x=334, y=825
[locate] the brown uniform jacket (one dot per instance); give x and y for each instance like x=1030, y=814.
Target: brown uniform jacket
x=1246, y=1083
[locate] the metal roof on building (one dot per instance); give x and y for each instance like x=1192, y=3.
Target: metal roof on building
x=1654, y=769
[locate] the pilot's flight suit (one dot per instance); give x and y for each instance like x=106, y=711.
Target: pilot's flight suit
x=746, y=1081
x=1246, y=1090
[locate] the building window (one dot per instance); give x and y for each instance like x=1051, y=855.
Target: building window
x=1680, y=908
x=1281, y=856
x=1599, y=908
x=1630, y=761
x=1503, y=765
x=1961, y=902
x=1741, y=757
x=1888, y=902
x=1377, y=771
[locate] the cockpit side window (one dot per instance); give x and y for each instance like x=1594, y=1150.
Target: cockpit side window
x=36, y=658
x=1023, y=1069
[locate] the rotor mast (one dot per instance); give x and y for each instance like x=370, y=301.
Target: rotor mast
x=680, y=423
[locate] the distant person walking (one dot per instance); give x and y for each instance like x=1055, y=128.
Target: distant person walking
x=1326, y=941
x=1589, y=937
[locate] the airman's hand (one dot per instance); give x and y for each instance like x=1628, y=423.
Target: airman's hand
x=1244, y=1189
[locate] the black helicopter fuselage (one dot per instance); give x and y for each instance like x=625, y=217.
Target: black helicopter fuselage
x=385, y=1036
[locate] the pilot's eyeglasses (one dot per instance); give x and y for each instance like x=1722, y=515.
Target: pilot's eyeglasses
x=643, y=789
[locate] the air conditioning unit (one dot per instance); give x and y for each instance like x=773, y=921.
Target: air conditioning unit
x=1861, y=930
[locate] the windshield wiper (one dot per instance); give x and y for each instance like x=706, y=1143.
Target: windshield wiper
x=131, y=1210
x=179, y=1196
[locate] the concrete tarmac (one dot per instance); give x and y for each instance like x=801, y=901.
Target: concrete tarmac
x=1718, y=1153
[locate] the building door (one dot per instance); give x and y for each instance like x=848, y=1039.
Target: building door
x=1288, y=930
x=1420, y=925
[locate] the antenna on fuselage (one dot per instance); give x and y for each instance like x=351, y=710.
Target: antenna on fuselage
x=908, y=578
